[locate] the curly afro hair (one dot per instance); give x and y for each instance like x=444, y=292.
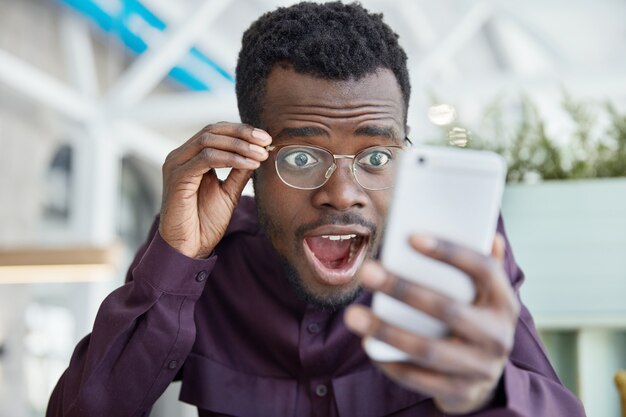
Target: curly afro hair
x=333, y=41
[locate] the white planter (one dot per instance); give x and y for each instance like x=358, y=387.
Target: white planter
x=569, y=237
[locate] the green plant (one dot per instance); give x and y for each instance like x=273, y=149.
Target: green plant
x=595, y=146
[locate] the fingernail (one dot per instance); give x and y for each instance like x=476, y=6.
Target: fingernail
x=422, y=242
x=357, y=320
x=253, y=163
x=261, y=135
x=258, y=150
x=373, y=275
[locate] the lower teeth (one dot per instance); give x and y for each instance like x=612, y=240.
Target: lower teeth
x=353, y=247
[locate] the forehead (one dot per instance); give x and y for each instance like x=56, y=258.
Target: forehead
x=292, y=97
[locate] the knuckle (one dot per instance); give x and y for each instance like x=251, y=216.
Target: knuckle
x=425, y=352
x=412, y=380
x=398, y=288
x=210, y=127
x=207, y=153
x=445, y=251
x=379, y=330
x=416, y=294
x=402, y=374
x=446, y=310
x=483, y=268
x=488, y=266
x=205, y=139
x=171, y=155
x=213, y=127
x=487, y=371
x=500, y=346
x=239, y=146
x=492, y=264
x=169, y=163
x=241, y=128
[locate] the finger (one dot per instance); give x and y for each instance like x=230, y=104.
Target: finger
x=486, y=272
x=243, y=131
x=236, y=182
x=498, y=248
x=234, y=137
x=209, y=158
x=449, y=356
x=498, y=252
x=373, y=276
x=428, y=382
x=232, y=144
x=224, y=143
x=480, y=325
x=455, y=395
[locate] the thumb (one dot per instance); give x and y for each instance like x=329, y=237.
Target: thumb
x=235, y=182
x=497, y=250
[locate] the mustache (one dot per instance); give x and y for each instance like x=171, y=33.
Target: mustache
x=338, y=219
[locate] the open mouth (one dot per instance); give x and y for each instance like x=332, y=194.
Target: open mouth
x=336, y=256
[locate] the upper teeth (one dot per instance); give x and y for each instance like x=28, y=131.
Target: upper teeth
x=338, y=237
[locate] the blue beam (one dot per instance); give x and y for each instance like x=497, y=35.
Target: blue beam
x=134, y=25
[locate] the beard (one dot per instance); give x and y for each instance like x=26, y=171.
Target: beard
x=329, y=301
x=324, y=302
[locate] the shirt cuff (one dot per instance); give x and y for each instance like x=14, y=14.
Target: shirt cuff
x=164, y=268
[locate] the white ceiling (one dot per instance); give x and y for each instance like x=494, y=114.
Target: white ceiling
x=462, y=52
x=466, y=52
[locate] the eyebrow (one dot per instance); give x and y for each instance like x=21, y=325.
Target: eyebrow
x=378, y=131
x=302, y=132
x=313, y=131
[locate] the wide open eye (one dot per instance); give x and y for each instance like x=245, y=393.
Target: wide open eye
x=300, y=158
x=374, y=159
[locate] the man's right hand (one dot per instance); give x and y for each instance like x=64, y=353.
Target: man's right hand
x=197, y=206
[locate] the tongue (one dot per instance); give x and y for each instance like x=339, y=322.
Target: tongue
x=329, y=250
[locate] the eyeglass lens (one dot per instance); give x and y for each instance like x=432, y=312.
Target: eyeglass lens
x=308, y=167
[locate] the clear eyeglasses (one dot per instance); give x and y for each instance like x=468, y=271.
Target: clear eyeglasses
x=309, y=167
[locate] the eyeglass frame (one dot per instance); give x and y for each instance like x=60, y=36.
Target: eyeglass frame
x=333, y=167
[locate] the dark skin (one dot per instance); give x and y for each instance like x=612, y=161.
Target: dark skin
x=340, y=112
x=461, y=371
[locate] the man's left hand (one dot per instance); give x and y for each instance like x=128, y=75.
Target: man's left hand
x=460, y=371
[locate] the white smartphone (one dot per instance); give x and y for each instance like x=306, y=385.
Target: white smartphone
x=447, y=193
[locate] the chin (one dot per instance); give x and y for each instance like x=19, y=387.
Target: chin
x=328, y=298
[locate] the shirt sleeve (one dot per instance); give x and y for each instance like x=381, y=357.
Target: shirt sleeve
x=529, y=386
x=142, y=334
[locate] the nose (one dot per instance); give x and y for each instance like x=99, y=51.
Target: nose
x=341, y=192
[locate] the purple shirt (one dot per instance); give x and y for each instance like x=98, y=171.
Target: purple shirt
x=244, y=344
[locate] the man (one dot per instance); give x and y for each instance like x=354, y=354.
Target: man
x=245, y=300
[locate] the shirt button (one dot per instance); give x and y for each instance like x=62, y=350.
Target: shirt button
x=313, y=328
x=321, y=390
x=173, y=364
x=201, y=276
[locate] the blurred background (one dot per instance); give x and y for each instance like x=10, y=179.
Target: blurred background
x=95, y=93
